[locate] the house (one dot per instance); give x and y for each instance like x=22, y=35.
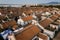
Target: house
x=25, y=20
x=28, y=12
x=43, y=36
x=39, y=16
x=29, y=32
x=5, y=33
x=54, y=17
x=57, y=22
x=49, y=20
x=4, y=25
x=53, y=27
x=46, y=22
x=10, y=23
x=57, y=14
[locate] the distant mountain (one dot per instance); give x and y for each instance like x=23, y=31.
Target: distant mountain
x=53, y=3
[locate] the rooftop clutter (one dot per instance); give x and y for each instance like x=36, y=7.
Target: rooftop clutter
x=29, y=23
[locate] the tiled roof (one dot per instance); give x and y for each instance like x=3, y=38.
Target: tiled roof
x=45, y=23
x=43, y=36
x=27, y=18
x=9, y=24
x=12, y=22
x=57, y=14
x=54, y=17
x=28, y=33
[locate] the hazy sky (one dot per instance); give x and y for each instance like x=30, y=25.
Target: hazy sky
x=26, y=1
